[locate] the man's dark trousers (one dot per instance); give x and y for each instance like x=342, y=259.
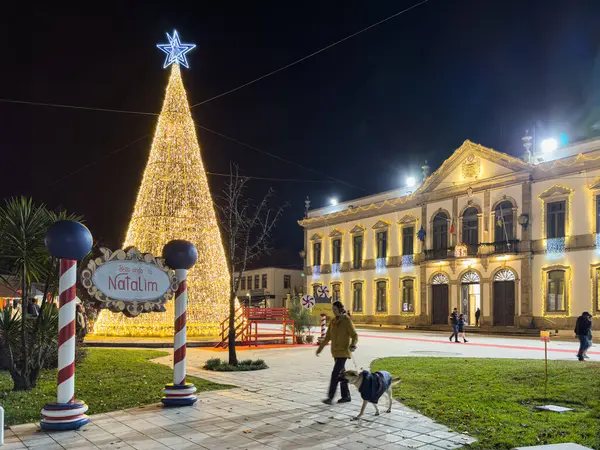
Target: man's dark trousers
x=336, y=377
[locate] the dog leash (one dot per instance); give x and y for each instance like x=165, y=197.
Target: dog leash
x=354, y=361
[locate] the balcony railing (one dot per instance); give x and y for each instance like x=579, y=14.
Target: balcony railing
x=484, y=249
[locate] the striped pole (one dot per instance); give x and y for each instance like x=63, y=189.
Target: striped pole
x=180, y=393
x=179, y=348
x=323, y=327
x=67, y=413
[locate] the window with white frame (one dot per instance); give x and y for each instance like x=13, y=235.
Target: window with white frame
x=556, y=291
x=555, y=219
x=316, y=254
x=408, y=240
x=357, y=297
x=336, y=250
x=381, y=296
x=408, y=295
x=381, y=238
x=357, y=243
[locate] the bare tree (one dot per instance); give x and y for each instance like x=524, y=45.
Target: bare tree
x=247, y=227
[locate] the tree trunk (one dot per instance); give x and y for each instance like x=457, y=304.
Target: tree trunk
x=24, y=370
x=231, y=341
x=20, y=381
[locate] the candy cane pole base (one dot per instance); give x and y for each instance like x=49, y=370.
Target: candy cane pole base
x=179, y=395
x=64, y=416
x=323, y=328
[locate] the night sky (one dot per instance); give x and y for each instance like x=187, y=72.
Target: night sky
x=368, y=111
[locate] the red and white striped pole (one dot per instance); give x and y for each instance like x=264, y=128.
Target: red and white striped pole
x=69, y=241
x=180, y=255
x=323, y=327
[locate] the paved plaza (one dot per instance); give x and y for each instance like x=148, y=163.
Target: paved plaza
x=281, y=407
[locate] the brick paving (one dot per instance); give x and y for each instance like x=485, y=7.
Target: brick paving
x=277, y=408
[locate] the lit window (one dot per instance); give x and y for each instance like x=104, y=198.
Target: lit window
x=336, y=251
x=555, y=296
x=381, y=296
x=264, y=281
x=503, y=222
x=287, y=281
x=555, y=219
x=317, y=254
x=408, y=295
x=440, y=231
x=357, y=242
x=470, y=227
x=408, y=240
x=381, y=244
x=357, y=306
x=336, y=290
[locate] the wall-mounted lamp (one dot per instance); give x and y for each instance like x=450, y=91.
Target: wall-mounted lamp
x=523, y=220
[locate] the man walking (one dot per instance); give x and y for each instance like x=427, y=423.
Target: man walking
x=583, y=328
x=477, y=316
x=454, y=322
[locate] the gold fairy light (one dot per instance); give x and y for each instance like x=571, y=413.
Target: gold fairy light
x=174, y=202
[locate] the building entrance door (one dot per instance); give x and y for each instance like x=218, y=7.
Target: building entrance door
x=439, y=304
x=504, y=303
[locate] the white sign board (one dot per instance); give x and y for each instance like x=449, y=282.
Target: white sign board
x=308, y=301
x=131, y=280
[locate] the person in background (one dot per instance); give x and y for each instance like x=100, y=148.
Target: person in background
x=81, y=322
x=589, y=337
x=583, y=329
x=477, y=316
x=454, y=322
x=33, y=309
x=461, y=327
x=343, y=337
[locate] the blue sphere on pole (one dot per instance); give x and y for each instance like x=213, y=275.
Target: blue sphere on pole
x=180, y=254
x=68, y=239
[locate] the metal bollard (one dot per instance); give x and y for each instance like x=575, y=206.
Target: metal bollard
x=1, y=425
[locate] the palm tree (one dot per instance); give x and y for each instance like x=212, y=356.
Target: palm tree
x=26, y=341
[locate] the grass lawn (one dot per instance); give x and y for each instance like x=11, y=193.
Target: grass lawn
x=493, y=399
x=107, y=380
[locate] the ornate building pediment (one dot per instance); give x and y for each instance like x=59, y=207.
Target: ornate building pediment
x=335, y=233
x=407, y=219
x=595, y=185
x=471, y=166
x=381, y=224
x=556, y=191
x=316, y=237
x=357, y=229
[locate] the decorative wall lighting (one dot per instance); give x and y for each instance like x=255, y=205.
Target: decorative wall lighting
x=523, y=220
x=556, y=248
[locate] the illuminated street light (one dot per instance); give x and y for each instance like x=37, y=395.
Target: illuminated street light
x=549, y=145
x=411, y=181
x=333, y=201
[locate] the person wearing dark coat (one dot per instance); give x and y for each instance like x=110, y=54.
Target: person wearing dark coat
x=454, y=322
x=477, y=316
x=583, y=329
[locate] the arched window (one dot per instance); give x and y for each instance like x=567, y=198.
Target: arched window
x=555, y=295
x=504, y=275
x=381, y=296
x=503, y=222
x=440, y=231
x=470, y=227
x=470, y=278
x=439, y=278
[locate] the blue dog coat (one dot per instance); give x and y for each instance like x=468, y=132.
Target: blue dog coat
x=374, y=385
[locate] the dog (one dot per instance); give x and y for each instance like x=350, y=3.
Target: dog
x=372, y=386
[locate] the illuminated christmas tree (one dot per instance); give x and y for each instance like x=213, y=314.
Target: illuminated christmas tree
x=174, y=202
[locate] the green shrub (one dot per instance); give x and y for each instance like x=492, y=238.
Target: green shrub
x=217, y=365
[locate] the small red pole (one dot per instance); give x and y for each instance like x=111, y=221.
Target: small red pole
x=323, y=327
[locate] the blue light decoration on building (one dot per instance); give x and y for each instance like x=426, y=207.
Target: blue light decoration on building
x=175, y=51
x=598, y=243
x=336, y=269
x=408, y=262
x=316, y=272
x=380, y=265
x=556, y=248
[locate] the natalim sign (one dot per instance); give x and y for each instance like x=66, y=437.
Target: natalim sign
x=129, y=282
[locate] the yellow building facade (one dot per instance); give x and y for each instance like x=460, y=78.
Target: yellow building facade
x=514, y=239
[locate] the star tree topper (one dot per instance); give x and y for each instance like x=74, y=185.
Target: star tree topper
x=175, y=51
